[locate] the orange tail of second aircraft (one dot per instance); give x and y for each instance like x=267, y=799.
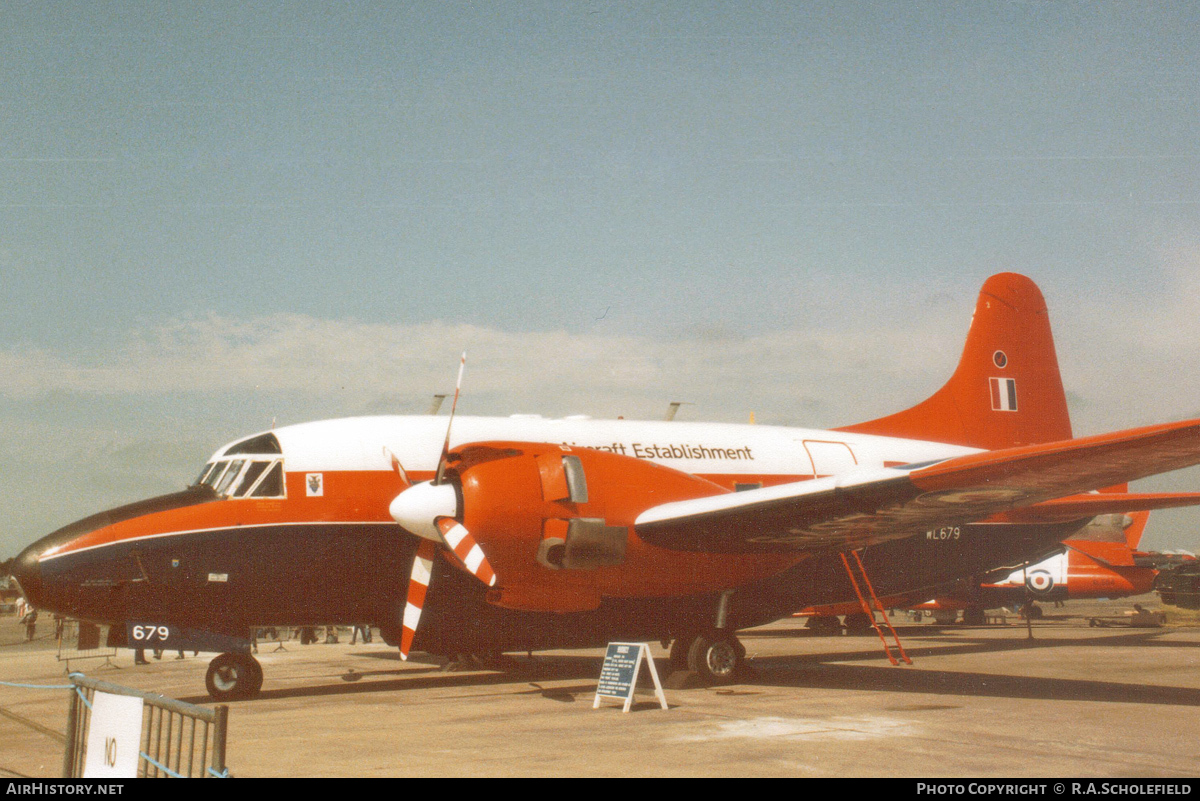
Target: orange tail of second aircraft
x=1006, y=390
x=1133, y=533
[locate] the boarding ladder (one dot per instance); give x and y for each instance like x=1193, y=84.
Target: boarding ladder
x=887, y=649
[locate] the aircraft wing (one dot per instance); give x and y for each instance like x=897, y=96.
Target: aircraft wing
x=873, y=505
x=1108, y=503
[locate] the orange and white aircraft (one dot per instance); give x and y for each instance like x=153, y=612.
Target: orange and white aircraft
x=1099, y=561
x=527, y=533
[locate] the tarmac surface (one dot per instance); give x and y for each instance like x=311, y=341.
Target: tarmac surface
x=979, y=701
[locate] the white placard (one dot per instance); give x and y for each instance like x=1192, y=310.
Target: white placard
x=114, y=737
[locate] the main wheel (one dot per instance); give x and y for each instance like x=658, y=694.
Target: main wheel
x=824, y=625
x=974, y=616
x=859, y=623
x=233, y=676
x=716, y=657
x=678, y=659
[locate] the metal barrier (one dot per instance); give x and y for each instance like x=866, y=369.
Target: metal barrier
x=87, y=639
x=166, y=750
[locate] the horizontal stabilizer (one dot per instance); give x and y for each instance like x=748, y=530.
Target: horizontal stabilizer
x=1113, y=554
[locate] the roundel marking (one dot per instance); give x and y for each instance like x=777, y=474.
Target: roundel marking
x=1000, y=359
x=1039, y=582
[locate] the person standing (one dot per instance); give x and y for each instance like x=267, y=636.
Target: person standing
x=30, y=621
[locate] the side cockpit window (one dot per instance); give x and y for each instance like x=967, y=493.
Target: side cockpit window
x=253, y=471
x=271, y=484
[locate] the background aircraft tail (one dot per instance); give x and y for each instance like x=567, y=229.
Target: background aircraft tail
x=1006, y=390
x=1133, y=533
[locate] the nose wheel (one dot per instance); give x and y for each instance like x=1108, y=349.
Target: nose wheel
x=233, y=677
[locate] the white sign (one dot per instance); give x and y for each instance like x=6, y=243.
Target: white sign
x=114, y=737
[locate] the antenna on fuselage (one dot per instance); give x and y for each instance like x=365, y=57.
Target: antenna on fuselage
x=436, y=405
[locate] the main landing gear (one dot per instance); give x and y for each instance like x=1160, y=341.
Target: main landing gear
x=233, y=677
x=716, y=656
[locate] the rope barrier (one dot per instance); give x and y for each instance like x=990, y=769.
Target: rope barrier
x=36, y=686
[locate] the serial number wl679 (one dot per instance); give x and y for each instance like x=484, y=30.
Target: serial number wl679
x=944, y=533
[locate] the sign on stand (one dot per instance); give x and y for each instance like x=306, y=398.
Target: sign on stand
x=114, y=737
x=619, y=674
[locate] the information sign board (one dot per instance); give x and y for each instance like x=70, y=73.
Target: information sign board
x=619, y=673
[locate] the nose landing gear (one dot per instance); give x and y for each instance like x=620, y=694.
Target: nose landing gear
x=233, y=677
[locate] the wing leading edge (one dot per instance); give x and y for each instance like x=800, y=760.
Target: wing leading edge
x=868, y=506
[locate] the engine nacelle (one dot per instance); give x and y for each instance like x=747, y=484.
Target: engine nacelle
x=556, y=523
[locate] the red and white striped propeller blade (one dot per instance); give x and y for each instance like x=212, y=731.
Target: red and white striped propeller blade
x=441, y=468
x=399, y=468
x=418, y=584
x=466, y=550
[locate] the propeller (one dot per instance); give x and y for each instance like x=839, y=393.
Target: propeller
x=430, y=511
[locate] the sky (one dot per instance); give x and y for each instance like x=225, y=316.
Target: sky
x=216, y=216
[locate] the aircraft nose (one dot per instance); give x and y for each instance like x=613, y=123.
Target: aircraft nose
x=28, y=573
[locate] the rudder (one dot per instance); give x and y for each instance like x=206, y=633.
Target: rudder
x=1006, y=390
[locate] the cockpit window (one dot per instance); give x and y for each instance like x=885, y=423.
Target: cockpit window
x=235, y=467
x=271, y=485
x=245, y=478
x=208, y=468
x=263, y=443
x=213, y=475
x=252, y=473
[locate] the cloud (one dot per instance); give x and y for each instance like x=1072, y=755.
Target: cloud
x=556, y=371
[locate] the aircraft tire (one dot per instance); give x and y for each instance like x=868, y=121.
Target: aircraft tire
x=678, y=659
x=824, y=626
x=233, y=677
x=716, y=657
x=974, y=616
x=858, y=623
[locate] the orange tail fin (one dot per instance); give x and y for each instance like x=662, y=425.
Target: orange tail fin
x=1006, y=391
x=1133, y=534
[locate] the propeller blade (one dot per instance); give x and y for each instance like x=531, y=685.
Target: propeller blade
x=399, y=468
x=418, y=583
x=466, y=550
x=462, y=363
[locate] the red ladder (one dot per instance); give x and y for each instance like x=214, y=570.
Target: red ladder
x=887, y=649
